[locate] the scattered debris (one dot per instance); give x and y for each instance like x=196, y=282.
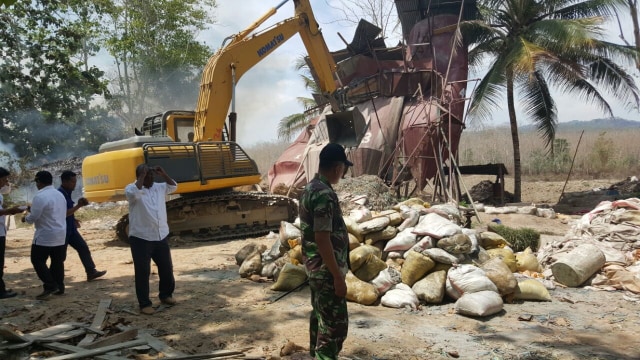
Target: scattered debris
x=97, y=344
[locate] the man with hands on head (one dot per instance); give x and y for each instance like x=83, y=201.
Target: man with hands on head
x=148, y=234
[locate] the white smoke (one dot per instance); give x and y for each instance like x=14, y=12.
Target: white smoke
x=7, y=154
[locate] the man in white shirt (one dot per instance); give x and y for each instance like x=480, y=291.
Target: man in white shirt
x=48, y=213
x=5, y=188
x=148, y=232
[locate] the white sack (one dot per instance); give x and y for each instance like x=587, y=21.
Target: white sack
x=399, y=296
x=482, y=303
x=436, y=226
x=403, y=241
x=466, y=278
x=386, y=279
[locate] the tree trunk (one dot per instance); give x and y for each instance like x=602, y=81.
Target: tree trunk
x=633, y=10
x=517, y=180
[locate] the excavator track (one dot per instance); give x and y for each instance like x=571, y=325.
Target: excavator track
x=223, y=216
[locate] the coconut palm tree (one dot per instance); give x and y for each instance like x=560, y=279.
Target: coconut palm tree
x=293, y=123
x=533, y=45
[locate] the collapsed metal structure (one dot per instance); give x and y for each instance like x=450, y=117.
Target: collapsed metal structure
x=412, y=97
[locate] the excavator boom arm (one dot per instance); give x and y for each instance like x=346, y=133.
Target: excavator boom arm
x=232, y=61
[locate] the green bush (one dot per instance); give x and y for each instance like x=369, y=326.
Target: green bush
x=519, y=239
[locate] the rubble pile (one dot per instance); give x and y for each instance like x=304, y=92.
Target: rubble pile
x=629, y=186
x=366, y=189
x=56, y=167
x=411, y=254
x=485, y=192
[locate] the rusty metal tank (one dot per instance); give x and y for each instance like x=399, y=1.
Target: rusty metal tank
x=412, y=96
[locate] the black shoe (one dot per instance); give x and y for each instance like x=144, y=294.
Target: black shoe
x=96, y=275
x=8, y=294
x=45, y=294
x=58, y=292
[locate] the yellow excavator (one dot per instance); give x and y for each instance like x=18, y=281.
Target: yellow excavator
x=196, y=150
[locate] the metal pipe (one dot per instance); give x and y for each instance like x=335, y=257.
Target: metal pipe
x=232, y=115
x=571, y=169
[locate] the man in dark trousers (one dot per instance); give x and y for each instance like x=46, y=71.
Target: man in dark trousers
x=68, y=183
x=148, y=234
x=325, y=249
x=48, y=212
x=5, y=188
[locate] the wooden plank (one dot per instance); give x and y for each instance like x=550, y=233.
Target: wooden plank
x=211, y=355
x=113, y=339
x=160, y=346
x=98, y=319
x=53, y=330
x=74, y=349
x=63, y=336
x=12, y=336
x=15, y=346
x=92, y=352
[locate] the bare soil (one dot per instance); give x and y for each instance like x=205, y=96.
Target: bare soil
x=219, y=310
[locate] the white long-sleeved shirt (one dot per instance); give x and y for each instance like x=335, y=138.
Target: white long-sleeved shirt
x=147, y=210
x=48, y=214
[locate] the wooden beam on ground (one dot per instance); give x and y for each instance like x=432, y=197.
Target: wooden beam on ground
x=75, y=349
x=160, y=346
x=85, y=353
x=53, y=330
x=62, y=336
x=114, y=339
x=12, y=336
x=98, y=319
x=210, y=355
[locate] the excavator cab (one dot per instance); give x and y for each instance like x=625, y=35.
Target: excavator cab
x=346, y=128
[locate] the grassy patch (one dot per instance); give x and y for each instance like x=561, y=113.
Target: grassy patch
x=519, y=239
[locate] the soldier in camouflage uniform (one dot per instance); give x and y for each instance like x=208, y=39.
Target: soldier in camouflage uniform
x=325, y=249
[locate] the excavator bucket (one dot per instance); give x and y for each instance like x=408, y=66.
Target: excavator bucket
x=346, y=127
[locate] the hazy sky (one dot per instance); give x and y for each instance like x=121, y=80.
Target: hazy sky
x=268, y=92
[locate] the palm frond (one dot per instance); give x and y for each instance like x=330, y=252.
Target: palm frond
x=608, y=75
x=589, y=8
x=290, y=124
x=488, y=94
x=624, y=53
x=307, y=103
x=309, y=83
x=571, y=82
x=477, y=32
x=565, y=36
x=538, y=104
x=301, y=63
x=524, y=56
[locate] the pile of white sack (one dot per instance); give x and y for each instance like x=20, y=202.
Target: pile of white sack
x=613, y=228
x=410, y=255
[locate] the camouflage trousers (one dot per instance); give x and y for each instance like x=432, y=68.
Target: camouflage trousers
x=329, y=320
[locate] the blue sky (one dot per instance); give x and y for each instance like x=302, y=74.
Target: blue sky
x=268, y=92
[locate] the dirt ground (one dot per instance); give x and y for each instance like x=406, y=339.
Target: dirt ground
x=218, y=310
